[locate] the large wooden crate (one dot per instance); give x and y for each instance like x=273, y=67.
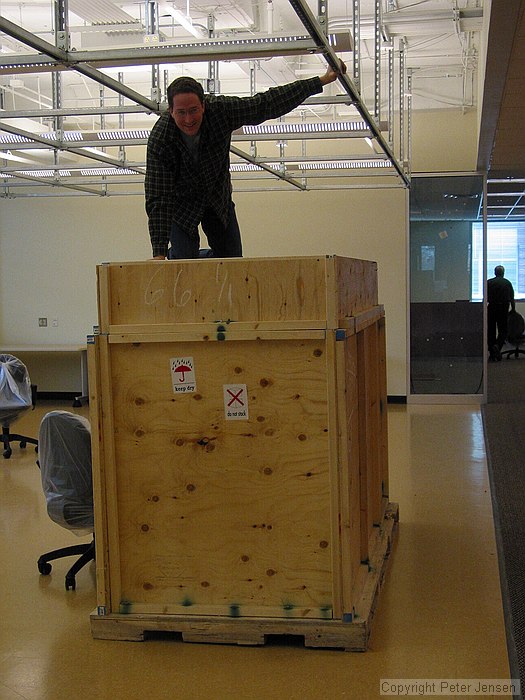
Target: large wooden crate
x=238, y=409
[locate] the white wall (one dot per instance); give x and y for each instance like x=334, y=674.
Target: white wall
x=49, y=249
x=367, y=224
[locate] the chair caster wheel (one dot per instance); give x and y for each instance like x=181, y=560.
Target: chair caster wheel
x=8, y=453
x=70, y=583
x=44, y=567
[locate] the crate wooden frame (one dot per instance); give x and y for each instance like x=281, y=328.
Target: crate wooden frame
x=322, y=307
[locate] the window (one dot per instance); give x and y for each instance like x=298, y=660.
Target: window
x=428, y=257
x=505, y=246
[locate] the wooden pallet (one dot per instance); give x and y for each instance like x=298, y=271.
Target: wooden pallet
x=349, y=635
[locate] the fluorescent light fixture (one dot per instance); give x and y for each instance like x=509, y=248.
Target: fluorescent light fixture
x=123, y=134
x=185, y=22
x=66, y=135
x=243, y=167
x=313, y=165
x=267, y=131
x=304, y=128
x=44, y=173
x=13, y=138
x=345, y=165
x=106, y=171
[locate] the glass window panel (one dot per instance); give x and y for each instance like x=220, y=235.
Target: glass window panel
x=505, y=246
x=446, y=285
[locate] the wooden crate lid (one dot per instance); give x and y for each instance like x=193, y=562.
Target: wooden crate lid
x=316, y=290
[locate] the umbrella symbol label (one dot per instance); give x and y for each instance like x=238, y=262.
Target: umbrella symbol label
x=182, y=374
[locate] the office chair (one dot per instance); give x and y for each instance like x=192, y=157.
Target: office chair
x=64, y=458
x=17, y=395
x=515, y=335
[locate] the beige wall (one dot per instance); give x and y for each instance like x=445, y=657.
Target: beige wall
x=49, y=248
x=444, y=140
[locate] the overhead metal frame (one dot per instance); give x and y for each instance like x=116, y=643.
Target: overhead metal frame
x=57, y=58
x=312, y=26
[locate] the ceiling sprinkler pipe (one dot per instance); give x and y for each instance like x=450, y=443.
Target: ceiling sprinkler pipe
x=269, y=13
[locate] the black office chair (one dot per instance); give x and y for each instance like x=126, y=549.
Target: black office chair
x=64, y=457
x=17, y=395
x=515, y=335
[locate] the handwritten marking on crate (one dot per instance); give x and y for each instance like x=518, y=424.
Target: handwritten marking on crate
x=183, y=374
x=152, y=295
x=181, y=296
x=223, y=285
x=235, y=402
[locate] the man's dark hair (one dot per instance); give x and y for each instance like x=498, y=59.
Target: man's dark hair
x=499, y=270
x=184, y=84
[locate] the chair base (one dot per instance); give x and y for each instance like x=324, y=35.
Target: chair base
x=7, y=438
x=87, y=552
x=515, y=352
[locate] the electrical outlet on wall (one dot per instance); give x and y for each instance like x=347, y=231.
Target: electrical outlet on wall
x=42, y=322
x=54, y=323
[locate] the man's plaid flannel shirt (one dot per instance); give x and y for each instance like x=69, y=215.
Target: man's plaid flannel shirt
x=179, y=191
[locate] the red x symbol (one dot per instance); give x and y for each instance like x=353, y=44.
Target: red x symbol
x=235, y=397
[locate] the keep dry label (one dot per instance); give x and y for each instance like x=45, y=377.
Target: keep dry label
x=183, y=374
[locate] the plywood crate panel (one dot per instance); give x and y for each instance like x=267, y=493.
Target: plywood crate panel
x=272, y=513
x=276, y=291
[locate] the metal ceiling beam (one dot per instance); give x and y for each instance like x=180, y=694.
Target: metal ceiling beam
x=46, y=181
x=73, y=112
x=312, y=26
x=406, y=23
x=57, y=144
x=29, y=39
x=67, y=61
x=31, y=137
x=53, y=58
x=223, y=50
x=140, y=168
x=43, y=143
x=316, y=100
x=276, y=173
x=104, y=159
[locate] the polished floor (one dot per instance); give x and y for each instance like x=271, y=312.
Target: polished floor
x=439, y=616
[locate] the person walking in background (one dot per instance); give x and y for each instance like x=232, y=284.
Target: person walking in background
x=500, y=294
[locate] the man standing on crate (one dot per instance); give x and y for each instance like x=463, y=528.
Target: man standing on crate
x=500, y=293
x=188, y=167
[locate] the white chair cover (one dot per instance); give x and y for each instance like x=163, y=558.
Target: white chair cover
x=15, y=388
x=64, y=455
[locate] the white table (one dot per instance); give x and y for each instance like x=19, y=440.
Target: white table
x=52, y=349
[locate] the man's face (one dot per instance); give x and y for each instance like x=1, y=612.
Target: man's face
x=187, y=112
